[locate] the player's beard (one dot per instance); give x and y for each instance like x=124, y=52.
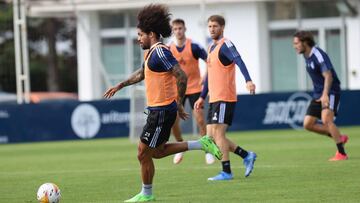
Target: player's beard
x=145, y=46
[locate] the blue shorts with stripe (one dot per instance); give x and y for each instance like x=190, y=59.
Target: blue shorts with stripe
x=221, y=112
x=158, y=127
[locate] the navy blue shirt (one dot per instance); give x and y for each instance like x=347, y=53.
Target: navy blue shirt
x=317, y=63
x=197, y=51
x=227, y=55
x=162, y=60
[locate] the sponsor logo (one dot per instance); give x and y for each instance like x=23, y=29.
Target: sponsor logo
x=289, y=112
x=4, y=139
x=85, y=121
x=4, y=114
x=114, y=117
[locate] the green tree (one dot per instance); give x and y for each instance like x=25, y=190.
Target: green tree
x=49, y=70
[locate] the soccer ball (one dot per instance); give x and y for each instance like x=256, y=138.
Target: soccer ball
x=48, y=193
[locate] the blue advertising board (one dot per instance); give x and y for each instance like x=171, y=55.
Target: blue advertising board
x=100, y=119
x=287, y=110
x=64, y=120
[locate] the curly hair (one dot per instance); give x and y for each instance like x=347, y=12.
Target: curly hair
x=155, y=18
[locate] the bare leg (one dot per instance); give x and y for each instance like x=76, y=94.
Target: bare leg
x=176, y=130
x=327, y=117
x=220, y=139
x=311, y=125
x=232, y=145
x=145, y=154
x=170, y=149
x=209, y=130
x=200, y=121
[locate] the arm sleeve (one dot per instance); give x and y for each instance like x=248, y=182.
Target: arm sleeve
x=198, y=51
x=205, y=89
x=325, y=65
x=229, y=53
x=322, y=60
x=162, y=60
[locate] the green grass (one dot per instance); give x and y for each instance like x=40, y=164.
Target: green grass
x=292, y=166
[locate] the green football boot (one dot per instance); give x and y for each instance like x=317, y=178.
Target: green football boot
x=141, y=198
x=209, y=146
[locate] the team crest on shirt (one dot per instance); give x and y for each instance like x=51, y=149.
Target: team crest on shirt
x=312, y=65
x=215, y=117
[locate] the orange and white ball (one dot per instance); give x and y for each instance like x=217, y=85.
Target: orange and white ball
x=48, y=193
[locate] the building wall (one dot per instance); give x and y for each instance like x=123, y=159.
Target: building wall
x=89, y=77
x=245, y=27
x=353, y=50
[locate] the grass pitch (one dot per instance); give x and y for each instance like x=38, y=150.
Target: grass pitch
x=292, y=166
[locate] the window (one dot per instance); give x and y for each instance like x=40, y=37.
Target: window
x=120, y=52
x=133, y=18
x=333, y=48
x=137, y=55
x=319, y=9
x=112, y=20
x=287, y=9
x=283, y=61
x=113, y=54
x=281, y=10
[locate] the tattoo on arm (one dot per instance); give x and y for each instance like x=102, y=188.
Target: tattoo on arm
x=181, y=81
x=136, y=77
x=328, y=81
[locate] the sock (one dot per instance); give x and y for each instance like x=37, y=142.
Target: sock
x=226, y=166
x=340, y=147
x=193, y=145
x=241, y=152
x=146, y=189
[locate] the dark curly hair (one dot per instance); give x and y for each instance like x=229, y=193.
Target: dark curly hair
x=155, y=18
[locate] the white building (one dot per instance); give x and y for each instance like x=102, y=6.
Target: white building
x=260, y=29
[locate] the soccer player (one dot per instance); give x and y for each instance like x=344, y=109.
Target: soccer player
x=326, y=95
x=187, y=53
x=220, y=83
x=165, y=85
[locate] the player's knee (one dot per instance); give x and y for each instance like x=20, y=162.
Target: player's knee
x=307, y=125
x=160, y=153
x=327, y=122
x=142, y=155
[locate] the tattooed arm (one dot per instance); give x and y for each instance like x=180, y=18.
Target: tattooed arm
x=181, y=82
x=136, y=77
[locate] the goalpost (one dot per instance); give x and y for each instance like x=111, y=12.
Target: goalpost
x=137, y=118
x=21, y=52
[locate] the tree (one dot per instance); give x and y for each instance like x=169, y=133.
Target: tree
x=49, y=70
x=7, y=59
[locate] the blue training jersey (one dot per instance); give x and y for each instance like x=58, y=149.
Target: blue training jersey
x=317, y=63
